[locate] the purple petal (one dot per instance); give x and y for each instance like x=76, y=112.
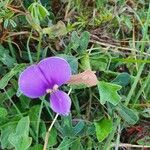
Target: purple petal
x=60, y=102
x=32, y=83
x=56, y=70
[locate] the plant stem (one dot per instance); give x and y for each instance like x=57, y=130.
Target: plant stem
x=48, y=132
x=38, y=121
x=39, y=47
x=28, y=49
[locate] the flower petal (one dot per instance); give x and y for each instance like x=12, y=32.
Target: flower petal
x=56, y=70
x=32, y=83
x=60, y=102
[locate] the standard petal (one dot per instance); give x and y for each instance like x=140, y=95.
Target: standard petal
x=56, y=70
x=60, y=102
x=32, y=83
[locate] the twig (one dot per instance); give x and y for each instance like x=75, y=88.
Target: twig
x=118, y=47
x=130, y=145
x=48, y=132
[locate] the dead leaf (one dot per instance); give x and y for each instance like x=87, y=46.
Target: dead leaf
x=87, y=77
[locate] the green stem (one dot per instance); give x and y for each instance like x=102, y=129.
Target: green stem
x=28, y=49
x=39, y=47
x=38, y=121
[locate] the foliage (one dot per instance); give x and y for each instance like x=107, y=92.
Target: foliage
x=105, y=37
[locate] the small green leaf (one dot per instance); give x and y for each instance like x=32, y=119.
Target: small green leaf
x=122, y=79
x=78, y=128
x=36, y=147
x=56, y=30
x=65, y=144
x=75, y=40
x=5, y=58
x=144, y=141
x=3, y=112
x=84, y=41
x=103, y=128
x=127, y=114
x=108, y=92
x=99, y=62
x=4, y=81
x=73, y=62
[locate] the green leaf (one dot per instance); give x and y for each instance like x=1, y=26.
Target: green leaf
x=65, y=144
x=103, y=128
x=128, y=115
x=20, y=139
x=5, y=132
x=52, y=138
x=36, y=147
x=56, y=30
x=73, y=62
x=3, y=112
x=38, y=12
x=4, y=81
x=78, y=128
x=67, y=128
x=75, y=40
x=84, y=41
x=122, y=79
x=5, y=58
x=20, y=142
x=33, y=115
x=11, y=92
x=99, y=62
x=108, y=92
x=144, y=141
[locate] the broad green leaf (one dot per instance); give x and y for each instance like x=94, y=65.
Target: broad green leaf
x=3, y=112
x=73, y=62
x=23, y=126
x=5, y=132
x=4, y=81
x=128, y=115
x=122, y=79
x=20, y=139
x=20, y=142
x=108, y=92
x=103, y=128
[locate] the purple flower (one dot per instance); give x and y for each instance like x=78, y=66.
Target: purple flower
x=46, y=77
